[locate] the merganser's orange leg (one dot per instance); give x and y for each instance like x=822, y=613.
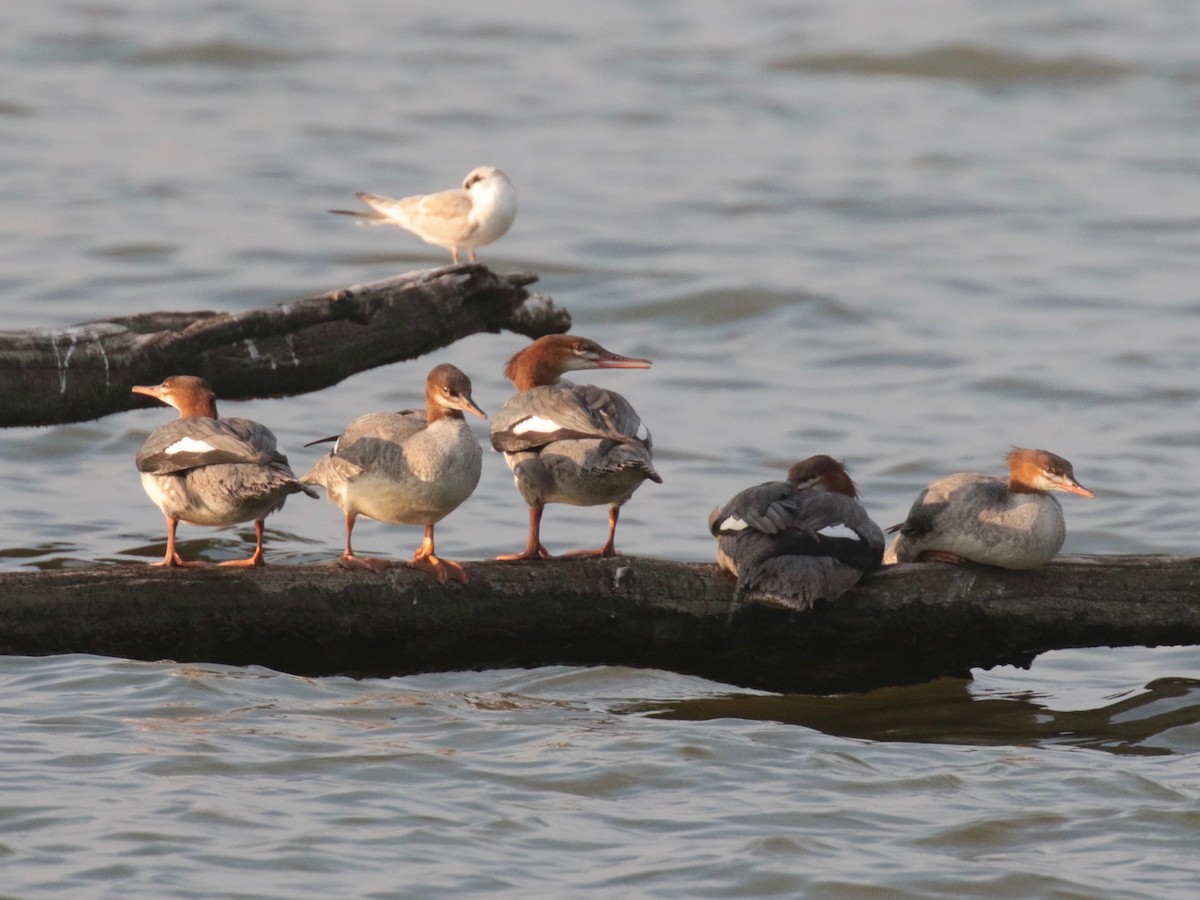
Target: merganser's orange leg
x=349, y=561
x=257, y=558
x=533, y=547
x=610, y=546
x=172, y=559
x=942, y=556
x=425, y=560
x=472, y=257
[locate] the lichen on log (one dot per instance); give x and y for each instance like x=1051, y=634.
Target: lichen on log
x=904, y=625
x=49, y=377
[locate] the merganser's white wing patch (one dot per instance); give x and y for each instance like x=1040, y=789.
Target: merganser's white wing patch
x=838, y=530
x=733, y=523
x=642, y=431
x=189, y=445
x=538, y=424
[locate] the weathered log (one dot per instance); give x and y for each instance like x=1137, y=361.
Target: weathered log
x=84, y=372
x=904, y=625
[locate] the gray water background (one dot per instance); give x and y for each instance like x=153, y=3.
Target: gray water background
x=909, y=235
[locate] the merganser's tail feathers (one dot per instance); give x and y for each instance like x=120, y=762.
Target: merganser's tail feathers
x=616, y=461
x=796, y=582
x=331, y=471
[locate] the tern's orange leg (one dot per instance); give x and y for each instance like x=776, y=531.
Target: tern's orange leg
x=533, y=547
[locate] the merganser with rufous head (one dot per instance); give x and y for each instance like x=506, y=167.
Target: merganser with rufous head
x=205, y=470
x=793, y=542
x=412, y=467
x=568, y=443
x=968, y=517
x=481, y=212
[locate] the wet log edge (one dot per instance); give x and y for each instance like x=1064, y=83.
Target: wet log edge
x=904, y=625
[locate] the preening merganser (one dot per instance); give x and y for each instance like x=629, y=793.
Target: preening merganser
x=412, y=467
x=204, y=470
x=569, y=443
x=969, y=517
x=793, y=542
x=481, y=212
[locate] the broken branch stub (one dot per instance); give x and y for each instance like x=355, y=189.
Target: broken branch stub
x=86, y=371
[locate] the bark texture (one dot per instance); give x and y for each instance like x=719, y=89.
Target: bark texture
x=86, y=371
x=905, y=625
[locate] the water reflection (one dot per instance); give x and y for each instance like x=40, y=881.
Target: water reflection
x=1164, y=719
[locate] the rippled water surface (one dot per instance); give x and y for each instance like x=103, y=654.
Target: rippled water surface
x=909, y=235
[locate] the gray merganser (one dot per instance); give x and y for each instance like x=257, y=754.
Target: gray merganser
x=969, y=517
x=793, y=542
x=569, y=443
x=481, y=212
x=412, y=467
x=204, y=470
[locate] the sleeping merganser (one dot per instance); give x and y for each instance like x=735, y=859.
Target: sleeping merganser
x=412, y=467
x=204, y=470
x=969, y=517
x=569, y=443
x=458, y=220
x=793, y=542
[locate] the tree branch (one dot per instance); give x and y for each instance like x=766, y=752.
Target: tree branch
x=905, y=625
x=86, y=371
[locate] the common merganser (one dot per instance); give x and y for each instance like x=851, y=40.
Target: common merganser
x=793, y=542
x=569, y=443
x=481, y=212
x=412, y=467
x=204, y=470
x=969, y=517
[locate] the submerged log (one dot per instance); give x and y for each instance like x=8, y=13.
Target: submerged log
x=904, y=625
x=84, y=372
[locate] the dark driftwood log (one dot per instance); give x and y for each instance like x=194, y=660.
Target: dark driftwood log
x=84, y=372
x=905, y=625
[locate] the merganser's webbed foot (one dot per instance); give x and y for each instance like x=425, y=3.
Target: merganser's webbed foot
x=175, y=561
x=539, y=552
x=439, y=568
x=606, y=550
x=944, y=556
x=252, y=561
x=370, y=563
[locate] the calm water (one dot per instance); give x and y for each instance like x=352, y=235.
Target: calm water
x=907, y=235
